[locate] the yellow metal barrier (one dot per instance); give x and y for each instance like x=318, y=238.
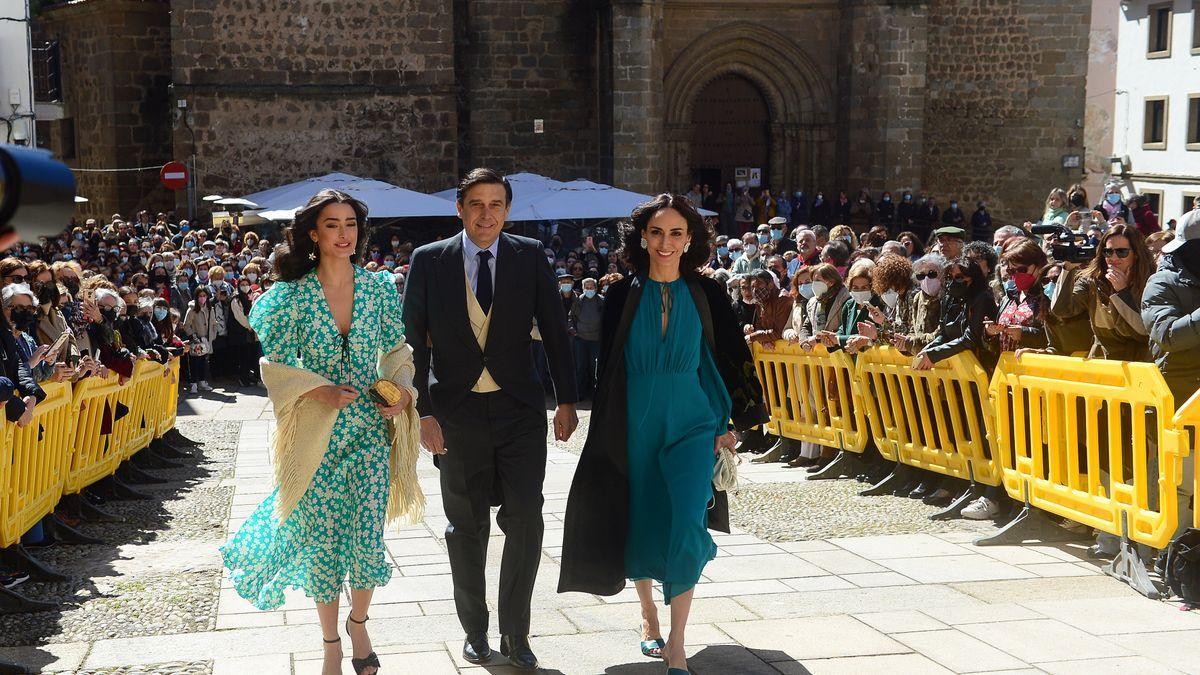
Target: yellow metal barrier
x=1062, y=420
x=1187, y=422
x=935, y=419
x=812, y=396
x=168, y=397
x=139, y=426
x=94, y=453
x=34, y=463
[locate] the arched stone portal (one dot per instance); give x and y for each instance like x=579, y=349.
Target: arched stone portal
x=730, y=129
x=800, y=133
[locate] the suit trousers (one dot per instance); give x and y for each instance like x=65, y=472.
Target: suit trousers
x=495, y=454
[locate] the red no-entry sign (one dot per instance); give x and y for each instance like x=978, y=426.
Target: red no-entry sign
x=174, y=175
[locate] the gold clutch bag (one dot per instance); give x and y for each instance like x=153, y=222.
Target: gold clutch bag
x=385, y=393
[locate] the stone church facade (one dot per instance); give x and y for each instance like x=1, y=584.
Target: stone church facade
x=975, y=99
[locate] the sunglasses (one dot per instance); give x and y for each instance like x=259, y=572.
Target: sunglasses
x=921, y=276
x=18, y=278
x=1118, y=252
x=957, y=277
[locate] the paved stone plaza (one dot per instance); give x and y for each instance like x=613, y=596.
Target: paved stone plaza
x=921, y=602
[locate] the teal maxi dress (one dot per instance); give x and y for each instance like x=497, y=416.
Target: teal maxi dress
x=677, y=406
x=335, y=533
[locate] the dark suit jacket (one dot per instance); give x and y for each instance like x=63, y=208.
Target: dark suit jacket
x=447, y=355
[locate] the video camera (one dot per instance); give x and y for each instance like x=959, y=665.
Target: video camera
x=1065, y=245
x=37, y=195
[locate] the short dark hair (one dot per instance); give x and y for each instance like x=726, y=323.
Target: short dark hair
x=630, y=234
x=483, y=176
x=984, y=251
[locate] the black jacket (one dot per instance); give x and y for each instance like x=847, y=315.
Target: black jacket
x=16, y=379
x=447, y=356
x=962, y=329
x=596, y=523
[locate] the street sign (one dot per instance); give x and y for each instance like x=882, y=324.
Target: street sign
x=174, y=175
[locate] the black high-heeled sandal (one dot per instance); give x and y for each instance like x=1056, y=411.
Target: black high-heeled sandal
x=370, y=661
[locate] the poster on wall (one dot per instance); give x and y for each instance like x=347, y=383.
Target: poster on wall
x=741, y=176
x=755, y=179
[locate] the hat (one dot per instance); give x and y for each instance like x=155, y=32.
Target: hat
x=566, y=275
x=763, y=226
x=952, y=231
x=1187, y=229
x=777, y=220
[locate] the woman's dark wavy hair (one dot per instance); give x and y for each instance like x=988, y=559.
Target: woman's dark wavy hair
x=1143, y=265
x=630, y=234
x=972, y=270
x=291, y=258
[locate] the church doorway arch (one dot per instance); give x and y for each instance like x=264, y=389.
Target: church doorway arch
x=730, y=130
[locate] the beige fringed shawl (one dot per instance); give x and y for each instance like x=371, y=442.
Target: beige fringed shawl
x=304, y=426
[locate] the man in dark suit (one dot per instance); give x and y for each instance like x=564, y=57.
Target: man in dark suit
x=470, y=306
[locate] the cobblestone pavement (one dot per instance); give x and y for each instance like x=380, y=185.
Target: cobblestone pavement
x=814, y=579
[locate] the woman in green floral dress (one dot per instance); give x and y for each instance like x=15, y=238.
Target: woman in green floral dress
x=326, y=315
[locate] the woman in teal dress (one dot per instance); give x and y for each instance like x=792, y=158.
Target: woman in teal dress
x=676, y=371
x=328, y=316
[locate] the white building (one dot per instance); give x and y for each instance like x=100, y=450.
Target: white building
x=16, y=76
x=1157, y=106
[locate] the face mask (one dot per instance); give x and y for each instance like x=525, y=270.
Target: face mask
x=734, y=255
x=68, y=256
x=761, y=295
x=887, y=200
x=244, y=288
x=998, y=249
x=751, y=249
x=395, y=243
x=603, y=251
x=777, y=234
x=891, y=298
x=1049, y=289
x=229, y=276
x=109, y=314
x=931, y=285
x=1024, y=280
x=124, y=259
x=47, y=293
x=202, y=275
x=202, y=300
x=819, y=288
x=954, y=205
x=190, y=244
x=72, y=285
x=1113, y=198
x=79, y=237
x=565, y=288
x=160, y=313
x=253, y=277
x=956, y=289
x=184, y=228
x=589, y=293
x=389, y=264
x=182, y=283
x=159, y=266
x=722, y=251
x=171, y=264
x=144, y=260
x=861, y=297
x=908, y=198
x=22, y=317
x=805, y=290
x=763, y=238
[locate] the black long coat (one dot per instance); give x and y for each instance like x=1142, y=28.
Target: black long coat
x=597, y=519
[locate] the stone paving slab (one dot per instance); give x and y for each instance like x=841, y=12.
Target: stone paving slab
x=906, y=603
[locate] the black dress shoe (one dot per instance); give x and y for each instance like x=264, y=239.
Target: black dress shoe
x=476, y=649
x=922, y=491
x=516, y=648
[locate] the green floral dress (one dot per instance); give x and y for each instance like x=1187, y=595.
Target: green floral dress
x=336, y=531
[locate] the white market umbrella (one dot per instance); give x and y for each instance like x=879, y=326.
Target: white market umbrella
x=580, y=200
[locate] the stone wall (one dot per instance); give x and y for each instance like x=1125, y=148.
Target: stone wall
x=1004, y=102
x=522, y=60
x=286, y=90
x=116, y=64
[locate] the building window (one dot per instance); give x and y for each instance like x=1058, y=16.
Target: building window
x=1160, y=31
x=1154, y=134
x=1196, y=26
x=1193, y=124
x=1155, y=199
x=1190, y=200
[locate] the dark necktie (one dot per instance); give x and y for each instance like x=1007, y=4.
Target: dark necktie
x=483, y=288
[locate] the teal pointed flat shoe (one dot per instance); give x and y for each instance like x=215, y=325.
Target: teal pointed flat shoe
x=653, y=648
x=677, y=671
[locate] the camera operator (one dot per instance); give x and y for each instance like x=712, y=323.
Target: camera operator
x=1171, y=309
x=1108, y=291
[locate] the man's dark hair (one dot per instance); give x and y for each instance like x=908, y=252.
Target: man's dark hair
x=837, y=252
x=983, y=250
x=630, y=234
x=482, y=176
